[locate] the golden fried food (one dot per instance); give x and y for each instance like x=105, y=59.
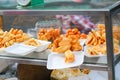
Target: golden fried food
x=63, y=44
x=116, y=48
x=85, y=71
x=95, y=38
x=116, y=32
x=65, y=74
x=96, y=41
x=69, y=56
x=92, y=50
x=48, y=34
x=32, y=42
x=56, y=42
x=101, y=49
x=73, y=32
x=8, y=38
x=75, y=46
x=62, y=49
x=19, y=40
x=65, y=41
x=19, y=35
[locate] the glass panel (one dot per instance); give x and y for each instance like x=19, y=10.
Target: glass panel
x=28, y=24
x=69, y=4
x=64, y=4
x=98, y=75
x=116, y=34
x=96, y=42
x=90, y=26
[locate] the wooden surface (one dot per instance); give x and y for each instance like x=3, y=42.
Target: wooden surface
x=32, y=72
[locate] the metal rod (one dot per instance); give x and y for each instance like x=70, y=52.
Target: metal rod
x=117, y=60
x=25, y=61
x=94, y=67
x=109, y=42
x=53, y=12
x=44, y=63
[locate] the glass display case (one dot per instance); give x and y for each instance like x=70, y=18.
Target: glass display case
x=100, y=23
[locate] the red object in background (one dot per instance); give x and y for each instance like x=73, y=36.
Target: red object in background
x=78, y=1
x=81, y=22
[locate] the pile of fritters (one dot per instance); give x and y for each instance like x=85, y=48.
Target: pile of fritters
x=67, y=43
x=48, y=34
x=96, y=41
x=63, y=44
x=9, y=38
x=76, y=33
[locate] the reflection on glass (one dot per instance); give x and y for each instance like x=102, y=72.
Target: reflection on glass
x=32, y=32
x=116, y=36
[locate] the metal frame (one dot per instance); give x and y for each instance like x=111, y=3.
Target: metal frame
x=114, y=9
x=100, y=67
x=52, y=12
x=109, y=42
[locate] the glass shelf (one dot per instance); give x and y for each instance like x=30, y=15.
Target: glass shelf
x=41, y=59
x=66, y=5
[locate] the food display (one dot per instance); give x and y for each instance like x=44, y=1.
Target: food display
x=63, y=44
x=19, y=35
x=8, y=38
x=96, y=42
x=76, y=33
x=48, y=34
x=69, y=51
x=67, y=43
x=66, y=60
x=116, y=32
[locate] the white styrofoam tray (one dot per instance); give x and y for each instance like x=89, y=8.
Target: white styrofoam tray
x=57, y=61
x=20, y=49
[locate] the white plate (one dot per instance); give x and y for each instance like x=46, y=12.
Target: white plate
x=57, y=61
x=43, y=45
x=20, y=49
x=100, y=55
